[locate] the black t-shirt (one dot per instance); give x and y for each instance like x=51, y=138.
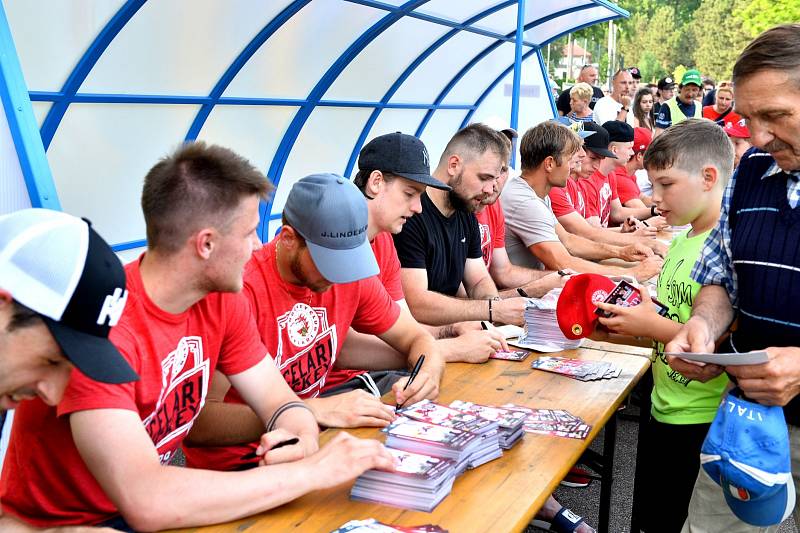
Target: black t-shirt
x=440, y=245
x=563, y=99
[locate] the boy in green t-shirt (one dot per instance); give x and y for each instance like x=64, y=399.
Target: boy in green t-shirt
x=689, y=165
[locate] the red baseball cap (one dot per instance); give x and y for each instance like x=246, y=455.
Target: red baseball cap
x=575, y=308
x=641, y=139
x=737, y=129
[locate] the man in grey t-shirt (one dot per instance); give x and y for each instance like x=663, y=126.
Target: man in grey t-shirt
x=533, y=235
x=529, y=221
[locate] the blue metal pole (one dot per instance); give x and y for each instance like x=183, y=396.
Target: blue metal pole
x=517, y=75
x=22, y=124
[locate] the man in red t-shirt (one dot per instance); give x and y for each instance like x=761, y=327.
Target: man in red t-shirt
x=627, y=187
x=306, y=287
x=49, y=325
x=572, y=210
x=102, y=456
x=600, y=190
x=722, y=110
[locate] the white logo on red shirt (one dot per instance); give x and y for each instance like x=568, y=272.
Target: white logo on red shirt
x=604, y=201
x=302, y=324
x=309, y=354
x=184, y=386
x=486, y=243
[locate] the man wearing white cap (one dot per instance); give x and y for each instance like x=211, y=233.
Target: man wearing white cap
x=56, y=314
x=104, y=457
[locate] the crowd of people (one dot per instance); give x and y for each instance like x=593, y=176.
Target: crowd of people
x=235, y=355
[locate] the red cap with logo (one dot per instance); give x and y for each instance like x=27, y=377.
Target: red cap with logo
x=737, y=128
x=575, y=310
x=641, y=139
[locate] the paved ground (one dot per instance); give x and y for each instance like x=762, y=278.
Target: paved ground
x=586, y=502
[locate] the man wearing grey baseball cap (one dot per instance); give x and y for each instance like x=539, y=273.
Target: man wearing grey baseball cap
x=307, y=287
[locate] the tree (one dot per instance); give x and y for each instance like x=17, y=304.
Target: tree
x=718, y=36
x=761, y=15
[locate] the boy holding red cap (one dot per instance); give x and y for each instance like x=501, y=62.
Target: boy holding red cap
x=689, y=165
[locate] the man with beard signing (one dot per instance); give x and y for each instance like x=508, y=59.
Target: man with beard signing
x=440, y=248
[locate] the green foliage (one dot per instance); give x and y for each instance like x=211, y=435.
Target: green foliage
x=716, y=51
x=760, y=15
x=660, y=36
x=649, y=67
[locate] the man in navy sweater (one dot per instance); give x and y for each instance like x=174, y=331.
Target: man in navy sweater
x=750, y=263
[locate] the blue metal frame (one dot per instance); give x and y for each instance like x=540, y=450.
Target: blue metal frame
x=491, y=87
x=290, y=137
x=22, y=124
x=404, y=76
x=485, y=52
x=244, y=56
x=517, y=74
x=84, y=66
x=166, y=99
x=546, y=79
x=68, y=94
x=438, y=20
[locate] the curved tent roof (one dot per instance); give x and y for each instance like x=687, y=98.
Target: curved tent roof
x=295, y=86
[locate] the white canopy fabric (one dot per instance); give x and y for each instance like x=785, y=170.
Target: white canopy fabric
x=295, y=86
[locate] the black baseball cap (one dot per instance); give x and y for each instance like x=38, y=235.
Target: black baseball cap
x=618, y=131
x=58, y=266
x=597, y=143
x=635, y=73
x=402, y=155
x=666, y=84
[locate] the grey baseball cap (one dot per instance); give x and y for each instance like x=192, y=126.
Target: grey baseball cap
x=331, y=215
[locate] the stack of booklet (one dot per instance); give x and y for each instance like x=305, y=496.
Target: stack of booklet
x=541, y=332
x=577, y=368
x=370, y=525
x=432, y=445
x=441, y=415
x=555, y=422
x=420, y=482
x=510, y=422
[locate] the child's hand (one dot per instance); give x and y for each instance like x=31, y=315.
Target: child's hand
x=636, y=321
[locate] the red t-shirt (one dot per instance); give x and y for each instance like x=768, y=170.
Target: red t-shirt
x=492, y=225
x=304, y=331
x=627, y=187
x=568, y=199
x=45, y=482
x=389, y=265
x=711, y=114
x=598, y=191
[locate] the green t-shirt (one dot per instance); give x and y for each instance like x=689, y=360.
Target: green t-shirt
x=676, y=399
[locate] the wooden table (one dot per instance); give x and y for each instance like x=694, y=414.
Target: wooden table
x=505, y=494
